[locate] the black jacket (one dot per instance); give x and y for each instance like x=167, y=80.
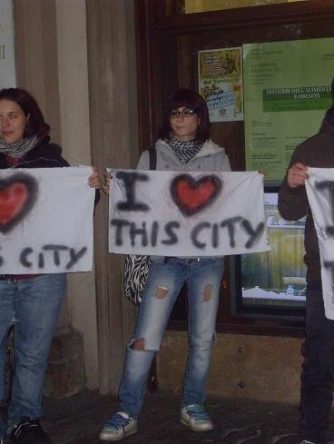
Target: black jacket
x=43, y=155
x=317, y=152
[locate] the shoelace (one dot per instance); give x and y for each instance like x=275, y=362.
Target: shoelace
x=117, y=421
x=198, y=412
x=24, y=422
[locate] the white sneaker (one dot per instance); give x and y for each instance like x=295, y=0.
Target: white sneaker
x=118, y=427
x=307, y=442
x=196, y=418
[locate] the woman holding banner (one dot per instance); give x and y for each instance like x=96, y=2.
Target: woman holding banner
x=184, y=145
x=29, y=302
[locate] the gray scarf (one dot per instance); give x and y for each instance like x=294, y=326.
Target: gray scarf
x=18, y=149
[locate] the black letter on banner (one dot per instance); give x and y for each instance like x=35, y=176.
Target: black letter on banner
x=195, y=232
x=1, y=260
x=330, y=264
x=129, y=180
x=119, y=224
x=141, y=231
x=23, y=257
x=229, y=223
x=154, y=233
x=169, y=229
x=40, y=260
x=330, y=186
x=75, y=256
x=254, y=234
x=55, y=249
x=215, y=235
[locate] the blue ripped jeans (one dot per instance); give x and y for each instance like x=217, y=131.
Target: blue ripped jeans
x=33, y=306
x=166, y=278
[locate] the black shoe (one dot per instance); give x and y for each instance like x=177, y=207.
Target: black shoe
x=29, y=431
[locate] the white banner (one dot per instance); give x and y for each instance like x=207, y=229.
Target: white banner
x=46, y=220
x=186, y=214
x=320, y=193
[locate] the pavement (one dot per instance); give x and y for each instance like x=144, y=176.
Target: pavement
x=78, y=420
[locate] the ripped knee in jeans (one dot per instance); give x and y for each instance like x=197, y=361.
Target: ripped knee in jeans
x=161, y=292
x=137, y=344
x=207, y=293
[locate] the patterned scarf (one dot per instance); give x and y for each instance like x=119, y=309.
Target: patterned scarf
x=18, y=149
x=185, y=151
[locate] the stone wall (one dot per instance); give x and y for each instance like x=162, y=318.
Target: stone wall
x=262, y=368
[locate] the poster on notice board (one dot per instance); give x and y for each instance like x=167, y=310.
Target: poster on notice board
x=287, y=88
x=220, y=83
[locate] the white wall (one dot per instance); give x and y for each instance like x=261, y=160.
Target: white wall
x=75, y=140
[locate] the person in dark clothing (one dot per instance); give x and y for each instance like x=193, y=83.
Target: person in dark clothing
x=318, y=348
x=29, y=302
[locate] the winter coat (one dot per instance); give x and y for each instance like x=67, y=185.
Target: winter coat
x=317, y=152
x=43, y=155
x=211, y=157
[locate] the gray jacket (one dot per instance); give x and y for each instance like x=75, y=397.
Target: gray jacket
x=211, y=157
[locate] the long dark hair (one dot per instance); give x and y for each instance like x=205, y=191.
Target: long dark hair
x=189, y=99
x=36, y=124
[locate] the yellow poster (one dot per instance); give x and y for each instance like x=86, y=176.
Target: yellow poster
x=220, y=83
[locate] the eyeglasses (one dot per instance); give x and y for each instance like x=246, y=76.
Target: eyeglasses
x=186, y=112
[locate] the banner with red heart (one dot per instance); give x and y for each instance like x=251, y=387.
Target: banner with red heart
x=186, y=214
x=17, y=196
x=46, y=220
x=193, y=195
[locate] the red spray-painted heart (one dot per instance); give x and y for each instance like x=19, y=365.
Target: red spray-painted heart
x=193, y=195
x=17, y=196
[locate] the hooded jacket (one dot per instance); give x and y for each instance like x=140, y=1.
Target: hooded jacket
x=317, y=152
x=210, y=157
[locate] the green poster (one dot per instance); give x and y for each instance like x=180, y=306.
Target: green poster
x=287, y=88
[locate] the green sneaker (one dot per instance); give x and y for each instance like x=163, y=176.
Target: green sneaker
x=196, y=418
x=118, y=427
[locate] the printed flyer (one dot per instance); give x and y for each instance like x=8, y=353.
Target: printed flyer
x=287, y=88
x=220, y=83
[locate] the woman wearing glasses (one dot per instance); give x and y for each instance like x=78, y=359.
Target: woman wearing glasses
x=184, y=145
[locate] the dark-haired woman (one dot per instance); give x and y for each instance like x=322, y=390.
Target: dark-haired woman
x=184, y=145
x=29, y=302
